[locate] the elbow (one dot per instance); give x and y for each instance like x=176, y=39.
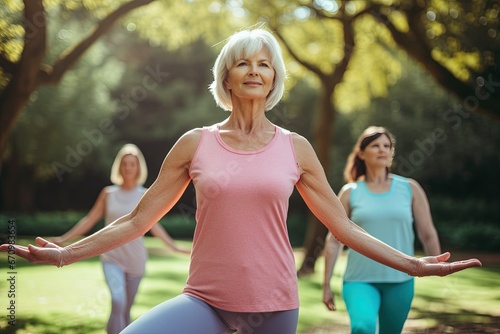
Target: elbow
x=139, y=226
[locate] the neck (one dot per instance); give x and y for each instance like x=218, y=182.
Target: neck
x=128, y=185
x=248, y=115
x=247, y=123
x=376, y=176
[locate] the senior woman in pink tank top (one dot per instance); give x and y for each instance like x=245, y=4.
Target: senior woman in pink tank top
x=123, y=266
x=242, y=274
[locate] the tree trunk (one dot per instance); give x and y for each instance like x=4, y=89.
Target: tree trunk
x=316, y=231
x=24, y=74
x=325, y=123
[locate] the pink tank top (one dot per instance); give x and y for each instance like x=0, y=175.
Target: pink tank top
x=242, y=260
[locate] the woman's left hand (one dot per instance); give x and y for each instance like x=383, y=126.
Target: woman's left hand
x=437, y=265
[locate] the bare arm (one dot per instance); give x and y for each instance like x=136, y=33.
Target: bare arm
x=156, y=202
x=422, y=217
x=333, y=249
x=95, y=214
x=314, y=188
x=159, y=232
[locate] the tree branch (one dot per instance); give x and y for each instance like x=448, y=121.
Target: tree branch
x=415, y=44
x=52, y=75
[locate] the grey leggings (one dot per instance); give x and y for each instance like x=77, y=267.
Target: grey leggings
x=123, y=289
x=188, y=315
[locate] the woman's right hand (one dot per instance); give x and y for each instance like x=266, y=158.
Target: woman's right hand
x=46, y=253
x=329, y=299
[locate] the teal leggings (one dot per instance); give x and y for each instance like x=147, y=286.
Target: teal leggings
x=384, y=304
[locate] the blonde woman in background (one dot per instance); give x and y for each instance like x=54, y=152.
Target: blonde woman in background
x=124, y=266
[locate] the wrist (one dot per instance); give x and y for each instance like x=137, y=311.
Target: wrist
x=62, y=257
x=414, y=267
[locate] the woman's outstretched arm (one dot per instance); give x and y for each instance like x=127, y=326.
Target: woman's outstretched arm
x=156, y=202
x=314, y=188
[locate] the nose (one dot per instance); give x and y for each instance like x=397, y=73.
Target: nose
x=253, y=69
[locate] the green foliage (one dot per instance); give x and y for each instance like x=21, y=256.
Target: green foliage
x=467, y=224
x=55, y=223
x=476, y=236
x=42, y=223
x=176, y=98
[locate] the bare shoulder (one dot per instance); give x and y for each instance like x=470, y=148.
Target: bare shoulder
x=106, y=190
x=101, y=198
x=304, y=153
x=300, y=143
x=414, y=185
x=345, y=192
x=191, y=137
x=187, y=144
x=417, y=191
x=183, y=151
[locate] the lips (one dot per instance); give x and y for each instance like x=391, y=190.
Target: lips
x=252, y=83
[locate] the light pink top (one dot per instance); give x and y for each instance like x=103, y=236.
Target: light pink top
x=242, y=260
x=132, y=256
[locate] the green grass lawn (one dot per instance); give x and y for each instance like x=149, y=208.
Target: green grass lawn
x=75, y=299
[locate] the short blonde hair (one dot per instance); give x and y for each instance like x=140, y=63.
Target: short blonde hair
x=129, y=149
x=244, y=44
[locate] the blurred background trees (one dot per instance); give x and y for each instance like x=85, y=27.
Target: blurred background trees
x=80, y=78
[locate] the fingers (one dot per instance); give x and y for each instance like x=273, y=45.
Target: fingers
x=437, y=265
x=461, y=265
x=45, y=243
x=453, y=267
x=23, y=251
x=329, y=301
x=330, y=305
x=443, y=257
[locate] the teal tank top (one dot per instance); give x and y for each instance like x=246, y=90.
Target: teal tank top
x=386, y=216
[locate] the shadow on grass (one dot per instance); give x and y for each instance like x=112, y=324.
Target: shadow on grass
x=490, y=325
x=461, y=316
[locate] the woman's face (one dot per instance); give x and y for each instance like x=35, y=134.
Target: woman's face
x=378, y=153
x=251, y=78
x=129, y=168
